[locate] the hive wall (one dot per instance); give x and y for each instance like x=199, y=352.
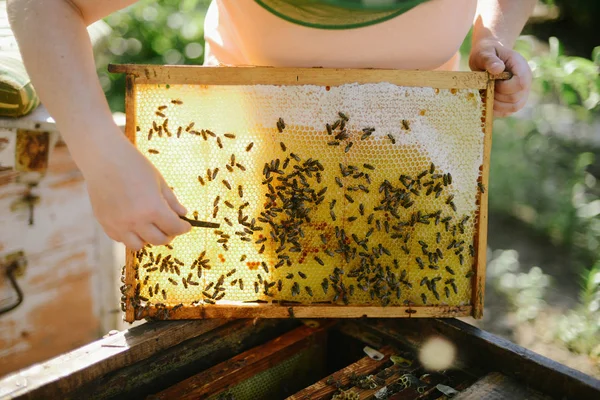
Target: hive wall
x=380, y=212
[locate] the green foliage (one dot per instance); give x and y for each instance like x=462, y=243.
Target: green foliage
x=524, y=290
x=580, y=329
x=151, y=32
x=540, y=165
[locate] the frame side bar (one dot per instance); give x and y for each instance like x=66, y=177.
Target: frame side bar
x=479, y=278
x=130, y=258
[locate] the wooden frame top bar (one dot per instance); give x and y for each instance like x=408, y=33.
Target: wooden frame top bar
x=201, y=75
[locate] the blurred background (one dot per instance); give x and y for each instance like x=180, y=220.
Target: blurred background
x=543, y=276
x=543, y=286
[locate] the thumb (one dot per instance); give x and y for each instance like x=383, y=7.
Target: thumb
x=172, y=200
x=488, y=60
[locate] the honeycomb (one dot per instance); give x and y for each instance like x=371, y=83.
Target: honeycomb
x=360, y=194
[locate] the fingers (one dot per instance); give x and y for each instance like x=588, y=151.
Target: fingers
x=167, y=220
x=521, y=79
x=132, y=241
x=488, y=60
x=503, y=109
x=150, y=233
x=172, y=200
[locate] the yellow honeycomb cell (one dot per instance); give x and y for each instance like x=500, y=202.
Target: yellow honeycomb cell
x=356, y=194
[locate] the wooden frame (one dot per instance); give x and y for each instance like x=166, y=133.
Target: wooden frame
x=197, y=75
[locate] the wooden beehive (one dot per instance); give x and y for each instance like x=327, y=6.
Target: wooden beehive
x=337, y=192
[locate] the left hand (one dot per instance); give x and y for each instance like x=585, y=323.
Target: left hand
x=510, y=95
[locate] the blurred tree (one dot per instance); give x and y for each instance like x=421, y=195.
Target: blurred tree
x=576, y=25
x=151, y=32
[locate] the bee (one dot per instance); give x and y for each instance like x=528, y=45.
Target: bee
x=295, y=157
x=241, y=284
x=228, y=204
x=452, y=205
x=215, y=212
x=177, y=101
x=226, y=183
x=184, y=282
x=219, y=143
x=229, y=168
x=173, y=281
x=164, y=294
x=336, y=124
x=391, y=138
x=231, y=272
x=348, y=146
x=405, y=124
x=420, y=262
x=369, y=166
x=195, y=214
x=329, y=130
x=240, y=166
x=481, y=187
x=332, y=214
x=424, y=298
x=229, y=135
x=450, y=270
x=349, y=198
x=333, y=143
x=158, y=113
x=153, y=151
x=449, y=199
x=249, y=147
x=283, y=147
x=432, y=168
x=343, y=116
x=461, y=259
x=309, y=290
x=150, y=132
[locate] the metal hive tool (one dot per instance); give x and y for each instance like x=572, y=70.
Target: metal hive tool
x=338, y=193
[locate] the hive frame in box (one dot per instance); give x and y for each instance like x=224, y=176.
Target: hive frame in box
x=197, y=75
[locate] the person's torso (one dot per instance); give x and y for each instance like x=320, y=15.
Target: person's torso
x=242, y=32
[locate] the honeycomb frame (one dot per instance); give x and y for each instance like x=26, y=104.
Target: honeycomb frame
x=143, y=80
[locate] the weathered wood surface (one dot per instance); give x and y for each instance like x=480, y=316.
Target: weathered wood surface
x=496, y=386
x=245, y=365
x=477, y=348
x=162, y=370
x=260, y=310
x=62, y=375
x=323, y=390
x=59, y=312
x=185, y=74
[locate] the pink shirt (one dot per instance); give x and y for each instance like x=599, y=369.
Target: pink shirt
x=427, y=37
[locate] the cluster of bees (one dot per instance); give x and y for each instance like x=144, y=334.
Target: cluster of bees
x=294, y=187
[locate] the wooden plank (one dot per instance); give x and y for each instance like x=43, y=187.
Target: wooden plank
x=478, y=348
x=243, y=366
x=480, y=240
x=322, y=390
x=63, y=374
x=201, y=75
x=260, y=310
x=177, y=363
x=495, y=386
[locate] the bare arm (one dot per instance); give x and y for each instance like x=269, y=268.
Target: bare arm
x=130, y=198
x=57, y=52
x=502, y=20
x=497, y=26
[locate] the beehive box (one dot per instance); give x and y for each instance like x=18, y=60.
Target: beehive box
x=338, y=193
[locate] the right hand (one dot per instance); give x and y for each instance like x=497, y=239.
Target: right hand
x=130, y=198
